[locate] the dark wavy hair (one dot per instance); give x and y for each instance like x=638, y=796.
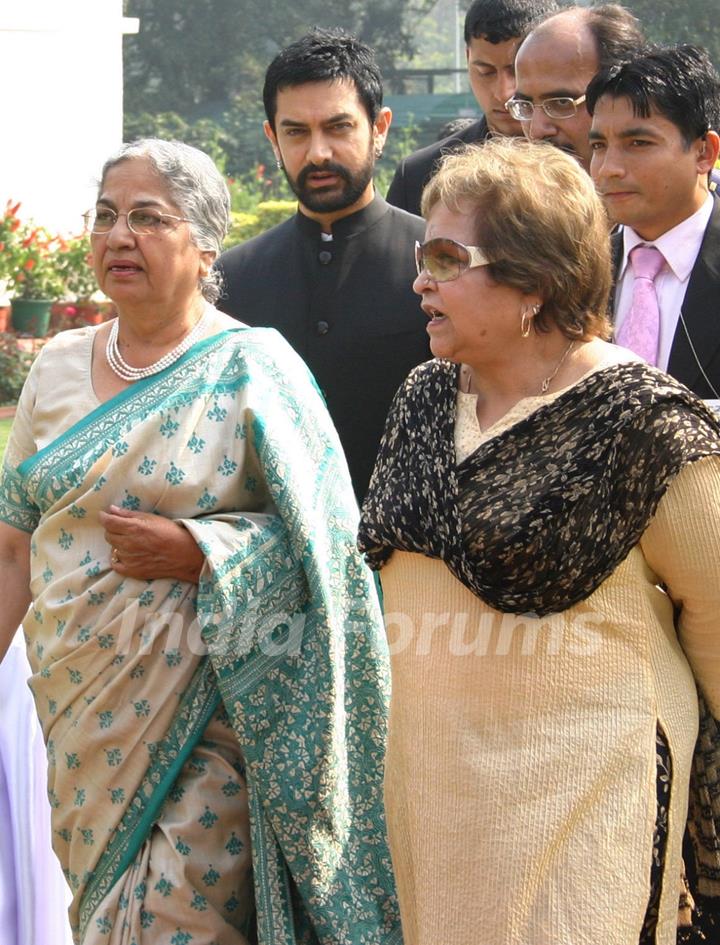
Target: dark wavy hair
x=501, y=20
x=321, y=56
x=680, y=82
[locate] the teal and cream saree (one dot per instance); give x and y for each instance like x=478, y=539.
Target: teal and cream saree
x=216, y=752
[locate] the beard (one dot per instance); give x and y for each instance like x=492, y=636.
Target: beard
x=332, y=198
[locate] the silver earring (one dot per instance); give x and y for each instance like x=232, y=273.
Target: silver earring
x=279, y=164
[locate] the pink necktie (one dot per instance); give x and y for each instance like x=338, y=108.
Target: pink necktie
x=640, y=331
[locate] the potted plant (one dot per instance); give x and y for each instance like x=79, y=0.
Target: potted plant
x=9, y=240
x=15, y=363
x=36, y=281
x=75, y=268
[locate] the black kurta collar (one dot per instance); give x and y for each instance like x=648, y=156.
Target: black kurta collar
x=349, y=226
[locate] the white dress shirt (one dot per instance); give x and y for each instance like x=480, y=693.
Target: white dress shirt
x=680, y=247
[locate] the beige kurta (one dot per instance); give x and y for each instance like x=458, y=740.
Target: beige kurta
x=520, y=774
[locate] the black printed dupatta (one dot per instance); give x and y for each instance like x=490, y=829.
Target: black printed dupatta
x=539, y=516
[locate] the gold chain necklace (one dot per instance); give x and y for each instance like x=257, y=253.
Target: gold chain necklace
x=551, y=377
x=546, y=382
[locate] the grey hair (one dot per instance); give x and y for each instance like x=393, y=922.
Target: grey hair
x=196, y=187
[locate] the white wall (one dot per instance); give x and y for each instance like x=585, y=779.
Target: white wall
x=60, y=103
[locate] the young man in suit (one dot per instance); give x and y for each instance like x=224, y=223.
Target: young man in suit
x=654, y=144
x=493, y=32
x=554, y=65
x=335, y=279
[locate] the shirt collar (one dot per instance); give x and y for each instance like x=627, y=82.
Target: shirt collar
x=349, y=226
x=680, y=245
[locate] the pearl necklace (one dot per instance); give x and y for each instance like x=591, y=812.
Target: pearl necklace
x=127, y=372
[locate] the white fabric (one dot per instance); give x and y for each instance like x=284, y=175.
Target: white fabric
x=33, y=893
x=680, y=247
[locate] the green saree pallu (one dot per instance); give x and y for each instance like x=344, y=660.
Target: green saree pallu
x=271, y=675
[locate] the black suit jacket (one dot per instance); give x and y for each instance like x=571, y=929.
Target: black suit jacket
x=700, y=311
x=346, y=306
x=415, y=171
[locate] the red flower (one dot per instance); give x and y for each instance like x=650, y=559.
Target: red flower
x=30, y=264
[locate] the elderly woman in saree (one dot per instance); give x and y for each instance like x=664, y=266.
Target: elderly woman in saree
x=178, y=538
x=545, y=512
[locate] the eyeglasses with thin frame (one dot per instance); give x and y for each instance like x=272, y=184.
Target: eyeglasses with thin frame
x=143, y=221
x=558, y=108
x=444, y=259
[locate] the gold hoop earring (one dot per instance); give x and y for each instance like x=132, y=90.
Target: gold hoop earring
x=527, y=319
x=525, y=323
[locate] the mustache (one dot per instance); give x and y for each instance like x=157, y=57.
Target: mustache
x=330, y=168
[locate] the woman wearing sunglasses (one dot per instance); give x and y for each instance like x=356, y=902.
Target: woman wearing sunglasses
x=545, y=517
x=177, y=534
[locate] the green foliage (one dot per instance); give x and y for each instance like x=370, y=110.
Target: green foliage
x=10, y=227
x=256, y=186
x=206, y=134
x=5, y=427
x=401, y=141
x=75, y=269
x=692, y=21
x=14, y=366
x=38, y=265
x=267, y=214
x=27, y=257
x=210, y=51
x=34, y=273
x=436, y=34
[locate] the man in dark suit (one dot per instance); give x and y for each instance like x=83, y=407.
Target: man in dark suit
x=654, y=144
x=493, y=32
x=335, y=279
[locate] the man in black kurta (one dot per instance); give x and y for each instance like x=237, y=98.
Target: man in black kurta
x=335, y=279
x=347, y=308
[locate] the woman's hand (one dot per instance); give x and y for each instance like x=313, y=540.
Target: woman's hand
x=148, y=546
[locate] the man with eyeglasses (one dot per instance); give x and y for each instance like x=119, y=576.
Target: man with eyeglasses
x=493, y=32
x=554, y=65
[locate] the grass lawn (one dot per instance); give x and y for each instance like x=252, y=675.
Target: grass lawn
x=4, y=433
